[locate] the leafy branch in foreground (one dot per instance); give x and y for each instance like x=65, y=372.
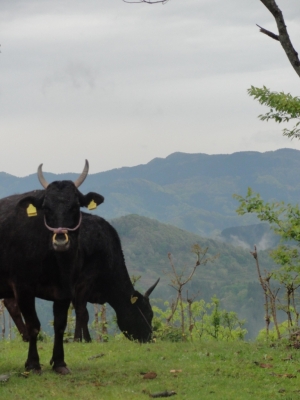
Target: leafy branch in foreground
x=283, y=108
x=283, y=218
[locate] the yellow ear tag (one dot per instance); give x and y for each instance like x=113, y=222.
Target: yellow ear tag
x=92, y=205
x=133, y=299
x=31, y=211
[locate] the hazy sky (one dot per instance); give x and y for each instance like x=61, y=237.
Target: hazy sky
x=121, y=84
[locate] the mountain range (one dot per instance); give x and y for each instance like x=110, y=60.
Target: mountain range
x=190, y=191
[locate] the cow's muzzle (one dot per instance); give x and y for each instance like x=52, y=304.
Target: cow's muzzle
x=60, y=241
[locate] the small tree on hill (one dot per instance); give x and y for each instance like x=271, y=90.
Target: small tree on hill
x=180, y=279
x=186, y=319
x=284, y=220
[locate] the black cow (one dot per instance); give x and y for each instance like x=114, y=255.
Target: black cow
x=103, y=278
x=39, y=253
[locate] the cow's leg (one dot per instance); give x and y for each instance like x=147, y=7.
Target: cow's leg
x=60, y=311
x=78, y=330
x=85, y=329
x=81, y=327
x=15, y=313
x=26, y=304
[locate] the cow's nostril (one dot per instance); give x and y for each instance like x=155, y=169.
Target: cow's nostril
x=60, y=239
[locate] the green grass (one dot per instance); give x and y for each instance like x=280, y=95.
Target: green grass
x=210, y=370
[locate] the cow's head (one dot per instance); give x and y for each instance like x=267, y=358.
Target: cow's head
x=61, y=202
x=136, y=322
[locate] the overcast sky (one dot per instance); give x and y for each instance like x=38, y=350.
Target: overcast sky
x=121, y=84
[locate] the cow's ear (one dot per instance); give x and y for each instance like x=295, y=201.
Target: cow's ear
x=37, y=202
x=91, y=200
x=136, y=297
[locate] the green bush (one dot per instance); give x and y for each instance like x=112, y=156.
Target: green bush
x=197, y=320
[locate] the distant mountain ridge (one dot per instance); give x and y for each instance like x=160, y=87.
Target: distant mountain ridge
x=191, y=191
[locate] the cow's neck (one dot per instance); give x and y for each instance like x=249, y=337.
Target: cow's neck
x=67, y=263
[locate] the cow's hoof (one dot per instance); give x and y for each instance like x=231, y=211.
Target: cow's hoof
x=33, y=370
x=36, y=371
x=62, y=370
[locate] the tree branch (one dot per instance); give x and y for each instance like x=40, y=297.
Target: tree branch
x=266, y=32
x=146, y=1
x=283, y=36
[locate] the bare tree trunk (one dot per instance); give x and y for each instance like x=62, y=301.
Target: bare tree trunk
x=272, y=296
x=267, y=316
x=103, y=323
x=173, y=309
x=3, y=319
x=96, y=322
x=9, y=326
x=265, y=290
x=289, y=291
x=295, y=309
x=283, y=35
x=274, y=314
x=190, y=316
x=182, y=316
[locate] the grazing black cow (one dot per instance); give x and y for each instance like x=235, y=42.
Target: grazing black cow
x=39, y=253
x=103, y=277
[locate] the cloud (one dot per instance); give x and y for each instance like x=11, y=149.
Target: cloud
x=125, y=83
x=76, y=75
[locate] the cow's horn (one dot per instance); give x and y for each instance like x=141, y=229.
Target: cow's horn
x=83, y=175
x=150, y=290
x=42, y=180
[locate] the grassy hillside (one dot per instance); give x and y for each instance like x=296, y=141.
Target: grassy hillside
x=207, y=370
